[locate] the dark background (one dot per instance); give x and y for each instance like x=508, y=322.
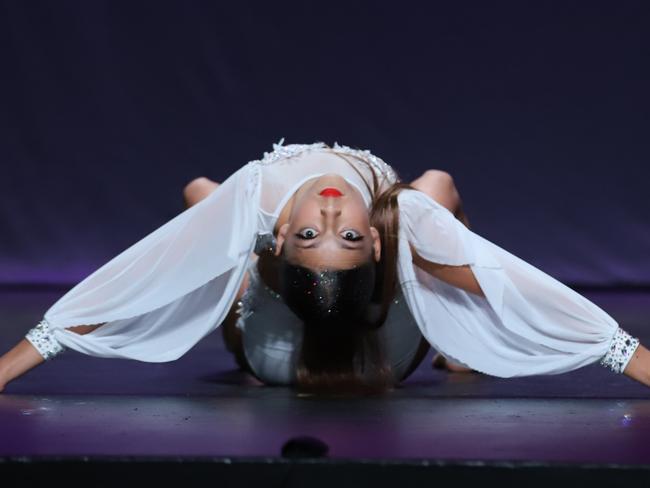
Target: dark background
x=540, y=111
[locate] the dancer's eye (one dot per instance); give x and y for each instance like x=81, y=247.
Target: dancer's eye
x=352, y=235
x=306, y=233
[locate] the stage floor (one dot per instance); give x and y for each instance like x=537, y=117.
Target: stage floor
x=202, y=405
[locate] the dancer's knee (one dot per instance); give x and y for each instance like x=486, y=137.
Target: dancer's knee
x=197, y=189
x=440, y=186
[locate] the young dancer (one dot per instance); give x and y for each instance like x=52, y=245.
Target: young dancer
x=335, y=274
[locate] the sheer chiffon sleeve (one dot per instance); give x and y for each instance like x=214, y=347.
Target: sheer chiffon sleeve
x=527, y=323
x=159, y=297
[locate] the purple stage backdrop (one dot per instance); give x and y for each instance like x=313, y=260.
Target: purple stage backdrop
x=540, y=111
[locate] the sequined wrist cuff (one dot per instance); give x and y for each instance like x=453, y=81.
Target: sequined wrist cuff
x=620, y=351
x=44, y=341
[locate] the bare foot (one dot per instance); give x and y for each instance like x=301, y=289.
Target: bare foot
x=441, y=362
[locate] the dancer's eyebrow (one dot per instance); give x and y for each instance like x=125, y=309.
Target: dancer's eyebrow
x=316, y=244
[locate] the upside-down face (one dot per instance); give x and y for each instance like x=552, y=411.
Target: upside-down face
x=328, y=226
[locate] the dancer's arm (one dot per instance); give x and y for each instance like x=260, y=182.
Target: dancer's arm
x=171, y=250
x=459, y=276
x=638, y=368
x=558, y=330
x=17, y=361
x=24, y=357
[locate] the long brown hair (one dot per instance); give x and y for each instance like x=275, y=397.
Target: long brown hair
x=336, y=345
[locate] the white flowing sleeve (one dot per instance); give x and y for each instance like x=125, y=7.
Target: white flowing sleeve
x=159, y=297
x=528, y=323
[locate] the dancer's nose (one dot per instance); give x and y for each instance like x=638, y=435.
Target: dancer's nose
x=333, y=211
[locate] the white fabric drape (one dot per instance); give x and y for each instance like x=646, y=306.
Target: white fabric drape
x=528, y=322
x=163, y=294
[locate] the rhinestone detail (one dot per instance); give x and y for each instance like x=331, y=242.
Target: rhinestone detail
x=282, y=152
x=44, y=341
x=620, y=351
x=378, y=163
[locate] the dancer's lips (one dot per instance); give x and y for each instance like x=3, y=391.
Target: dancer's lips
x=331, y=192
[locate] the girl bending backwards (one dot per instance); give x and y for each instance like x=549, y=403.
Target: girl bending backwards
x=328, y=273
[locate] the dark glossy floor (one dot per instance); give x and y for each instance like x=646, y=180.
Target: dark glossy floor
x=201, y=405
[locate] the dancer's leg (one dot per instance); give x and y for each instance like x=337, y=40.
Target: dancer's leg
x=440, y=186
